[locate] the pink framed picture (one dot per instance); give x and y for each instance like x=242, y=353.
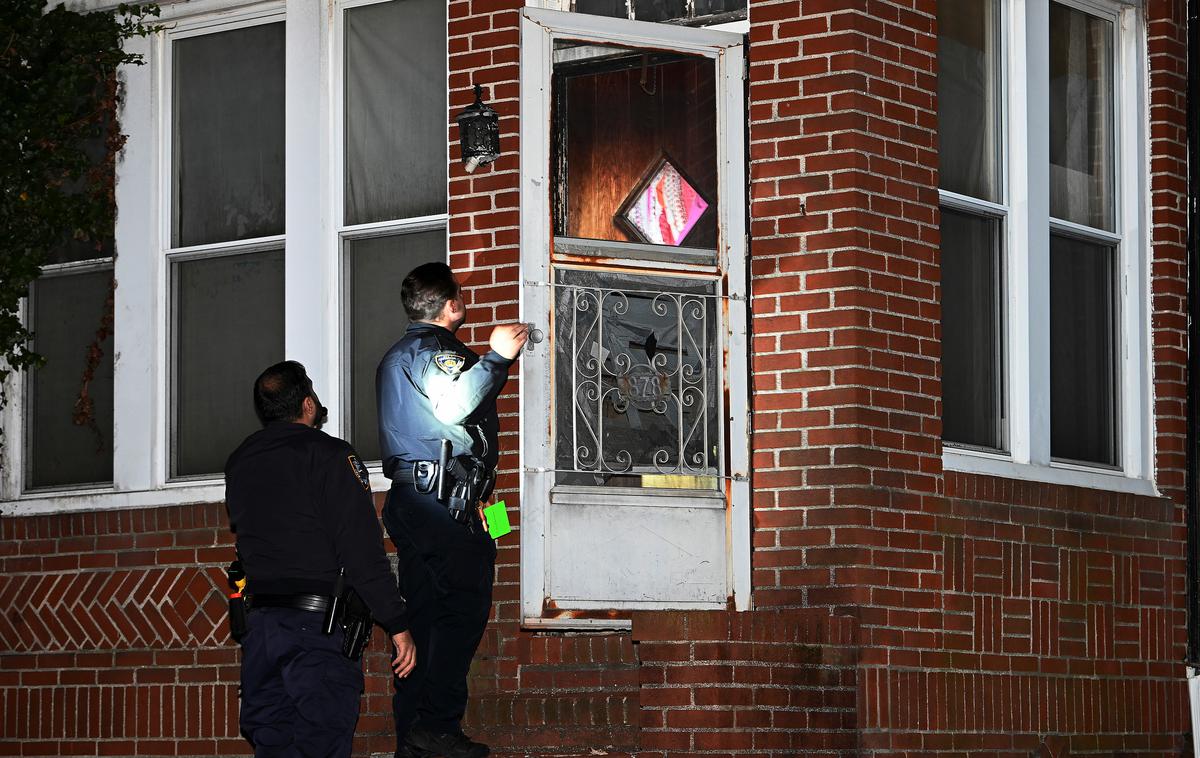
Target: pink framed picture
x=663, y=207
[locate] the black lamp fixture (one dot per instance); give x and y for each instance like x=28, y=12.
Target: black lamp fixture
x=478, y=133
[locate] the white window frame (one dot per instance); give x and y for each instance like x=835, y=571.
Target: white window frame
x=539, y=29
x=313, y=318
x=342, y=233
x=172, y=255
x=1025, y=207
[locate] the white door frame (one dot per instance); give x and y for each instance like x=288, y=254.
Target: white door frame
x=539, y=28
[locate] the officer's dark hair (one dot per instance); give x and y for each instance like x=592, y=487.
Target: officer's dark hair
x=279, y=392
x=426, y=289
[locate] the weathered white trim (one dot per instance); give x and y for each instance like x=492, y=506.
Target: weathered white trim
x=311, y=271
x=539, y=28
x=988, y=464
x=534, y=303
x=210, y=491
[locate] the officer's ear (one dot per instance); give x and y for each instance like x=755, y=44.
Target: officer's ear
x=308, y=411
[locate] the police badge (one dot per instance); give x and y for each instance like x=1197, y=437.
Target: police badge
x=360, y=471
x=449, y=363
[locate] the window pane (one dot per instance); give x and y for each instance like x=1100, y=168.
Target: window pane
x=612, y=8
x=1083, y=386
x=375, y=269
x=1081, y=117
x=66, y=311
x=971, y=354
x=636, y=381
x=968, y=102
x=395, y=110
x=228, y=316
x=228, y=142
x=713, y=7
x=70, y=249
x=659, y=10
x=635, y=133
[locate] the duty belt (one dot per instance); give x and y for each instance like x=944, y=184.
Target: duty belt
x=300, y=602
x=457, y=483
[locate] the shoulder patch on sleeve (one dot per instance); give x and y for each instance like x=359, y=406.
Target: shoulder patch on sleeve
x=360, y=471
x=450, y=363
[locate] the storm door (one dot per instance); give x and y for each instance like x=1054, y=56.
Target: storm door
x=634, y=424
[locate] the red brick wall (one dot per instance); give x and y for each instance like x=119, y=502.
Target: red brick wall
x=991, y=613
x=777, y=682
x=899, y=609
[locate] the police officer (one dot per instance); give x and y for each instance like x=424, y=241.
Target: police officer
x=430, y=388
x=300, y=505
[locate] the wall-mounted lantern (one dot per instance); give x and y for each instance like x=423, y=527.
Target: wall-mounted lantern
x=478, y=133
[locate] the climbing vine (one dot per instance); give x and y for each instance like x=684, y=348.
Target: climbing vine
x=59, y=141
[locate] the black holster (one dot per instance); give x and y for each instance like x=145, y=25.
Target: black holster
x=459, y=483
x=357, y=624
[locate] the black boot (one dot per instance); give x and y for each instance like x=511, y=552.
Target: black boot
x=423, y=743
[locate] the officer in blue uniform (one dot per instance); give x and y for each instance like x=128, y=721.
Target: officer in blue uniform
x=300, y=505
x=431, y=387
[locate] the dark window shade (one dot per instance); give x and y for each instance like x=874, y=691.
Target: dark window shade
x=714, y=7
x=1083, y=348
x=228, y=319
x=65, y=314
x=659, y=10
x=228, y=136
x=375, y=269
x=972, y=367
x=610, y=8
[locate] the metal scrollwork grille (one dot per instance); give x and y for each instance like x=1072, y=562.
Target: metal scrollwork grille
x=637, y=385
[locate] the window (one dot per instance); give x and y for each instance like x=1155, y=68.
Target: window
x=227, y=216
x=66, y=307
x=1043, y=349
x=394, y=183
x=1083, y=270
x=236, y=139
x=972, y=223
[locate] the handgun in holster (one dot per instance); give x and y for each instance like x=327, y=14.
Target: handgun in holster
x=357, y=623
x=347, y=610
x=472, y=482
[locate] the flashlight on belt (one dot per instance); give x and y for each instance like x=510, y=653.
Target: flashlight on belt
x=236, y=578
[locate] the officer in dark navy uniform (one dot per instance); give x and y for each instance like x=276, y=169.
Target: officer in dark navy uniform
x=437, y=405
x=300, y=505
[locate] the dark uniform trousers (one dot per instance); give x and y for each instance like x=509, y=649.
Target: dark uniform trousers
x=445, y=572
x=300, y=695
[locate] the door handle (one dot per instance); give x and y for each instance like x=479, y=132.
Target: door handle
x=535, y=336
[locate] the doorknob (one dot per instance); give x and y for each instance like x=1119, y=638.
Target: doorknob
x=535, y=336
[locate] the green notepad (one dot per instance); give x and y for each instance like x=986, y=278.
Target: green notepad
x=497, y=520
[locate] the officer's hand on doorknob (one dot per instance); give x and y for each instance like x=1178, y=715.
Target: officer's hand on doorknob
x=508, y=339
x=406, y=654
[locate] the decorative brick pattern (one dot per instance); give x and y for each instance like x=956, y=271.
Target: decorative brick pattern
x=152, y=607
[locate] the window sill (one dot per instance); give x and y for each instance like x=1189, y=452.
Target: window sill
x=973, y=462
x=74, y=501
